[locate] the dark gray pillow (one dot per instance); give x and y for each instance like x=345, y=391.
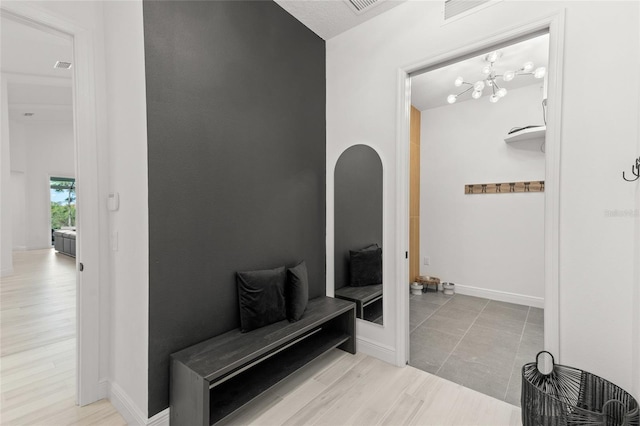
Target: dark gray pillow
x=297, y=291
x=365, y=266
x=261, y=297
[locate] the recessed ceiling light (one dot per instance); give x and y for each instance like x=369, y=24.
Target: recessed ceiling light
x=28, y=114
x=63, y=65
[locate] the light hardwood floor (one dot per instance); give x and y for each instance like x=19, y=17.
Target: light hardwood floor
x=345, y=389
x=38, y=361
x=37, y=345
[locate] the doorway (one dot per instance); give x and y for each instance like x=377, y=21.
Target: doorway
x=88, y=387
x=487, y=241
x=554, y=27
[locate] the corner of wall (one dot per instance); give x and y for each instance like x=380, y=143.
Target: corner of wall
x=376, y=350
x=131, y=412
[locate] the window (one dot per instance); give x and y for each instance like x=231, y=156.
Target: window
x=63, y=202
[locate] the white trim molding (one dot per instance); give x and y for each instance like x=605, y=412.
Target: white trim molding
x=376, y=350
x=125, y=406
x=502, y=296
x=131, y=412
x=554, y=25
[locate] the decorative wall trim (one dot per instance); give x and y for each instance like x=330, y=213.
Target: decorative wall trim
x=504, y=187
x=126, y=407
x=375, y=349
x=502, y=296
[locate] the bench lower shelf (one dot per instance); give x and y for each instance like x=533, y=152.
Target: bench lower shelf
x=216, y=377
x=228, y=396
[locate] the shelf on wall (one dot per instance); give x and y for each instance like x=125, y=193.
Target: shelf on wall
x=526, y=134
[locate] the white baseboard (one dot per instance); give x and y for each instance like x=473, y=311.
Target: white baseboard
x=20, y=248
x=502, y=296
x=5, y=272
x=132, y=413
x=125, y=406
x=160, y=419
x=376, y=350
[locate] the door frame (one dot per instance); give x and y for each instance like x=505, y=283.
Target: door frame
x=88, y=353
x=554, y=25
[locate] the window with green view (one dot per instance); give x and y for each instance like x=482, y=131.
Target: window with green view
x=63, y=202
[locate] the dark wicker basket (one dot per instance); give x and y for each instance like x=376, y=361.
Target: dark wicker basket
x=569, y=396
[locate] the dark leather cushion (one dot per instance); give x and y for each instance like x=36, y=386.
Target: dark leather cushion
x=261, y=297
x=297, y=294
x=365, y=266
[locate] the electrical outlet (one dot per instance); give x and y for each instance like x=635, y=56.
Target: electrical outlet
x=427, y=260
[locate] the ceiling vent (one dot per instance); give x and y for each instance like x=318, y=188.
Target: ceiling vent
x=63, y=65
x=28, y=114
x=456, y=7
x=361, y=6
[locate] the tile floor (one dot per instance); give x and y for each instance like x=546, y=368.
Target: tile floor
x=478, y=343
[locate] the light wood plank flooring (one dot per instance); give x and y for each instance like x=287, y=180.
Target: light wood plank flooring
x=37, y=370
x=345, y=389
x=37, y=345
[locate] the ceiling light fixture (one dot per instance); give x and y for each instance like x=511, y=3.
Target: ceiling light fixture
x=491, y=77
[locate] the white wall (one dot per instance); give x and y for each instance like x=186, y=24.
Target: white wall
x=48, y=150
x=599, y=134
x=6, y=213
x=493, y=244
x=126, y=109
x=19, y=207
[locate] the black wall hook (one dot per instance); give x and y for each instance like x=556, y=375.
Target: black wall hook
x=635, y=170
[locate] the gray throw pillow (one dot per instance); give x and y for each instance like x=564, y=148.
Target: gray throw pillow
x=297, y=291
x=261, y=297
x=365, y=266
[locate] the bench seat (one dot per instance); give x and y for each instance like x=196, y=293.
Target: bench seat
x=363, y=296
x=214, y=378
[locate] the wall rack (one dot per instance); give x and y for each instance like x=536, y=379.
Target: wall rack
x=505, y=187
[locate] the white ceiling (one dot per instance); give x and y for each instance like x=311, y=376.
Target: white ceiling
x=430, y=90
x=328, y=18
x=27, y=57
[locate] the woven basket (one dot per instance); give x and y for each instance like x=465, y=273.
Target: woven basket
x=569, y=396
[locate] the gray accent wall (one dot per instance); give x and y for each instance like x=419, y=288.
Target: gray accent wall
x=236, y=147
x=358, y=206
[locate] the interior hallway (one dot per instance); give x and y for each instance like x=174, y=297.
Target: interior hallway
x=38, y=371
x=38, y=345
x=478, y=343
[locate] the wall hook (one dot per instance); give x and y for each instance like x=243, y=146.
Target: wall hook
x=635, y=170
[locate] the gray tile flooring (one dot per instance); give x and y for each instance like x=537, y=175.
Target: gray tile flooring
x=478, y=343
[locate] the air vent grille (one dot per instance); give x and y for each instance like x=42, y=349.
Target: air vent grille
x=63, y=65
x=456, y=7
x=361, y=5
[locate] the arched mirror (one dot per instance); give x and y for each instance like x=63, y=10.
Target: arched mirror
x=358, y=231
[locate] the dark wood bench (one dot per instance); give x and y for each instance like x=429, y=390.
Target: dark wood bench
x=214, y=378
x=363, y=297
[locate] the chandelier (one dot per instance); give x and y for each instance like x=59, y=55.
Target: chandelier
x=491, y=79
